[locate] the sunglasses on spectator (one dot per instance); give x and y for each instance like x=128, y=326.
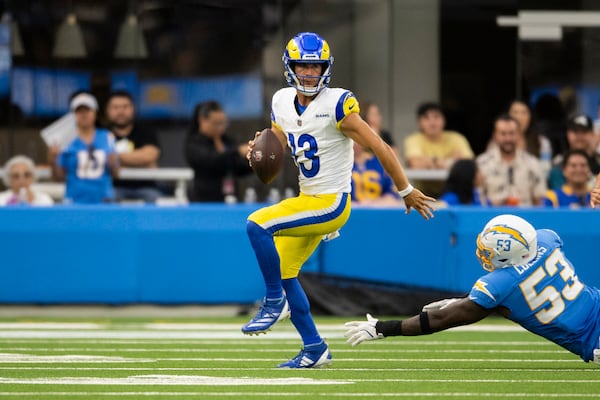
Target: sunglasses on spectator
x=16, y=175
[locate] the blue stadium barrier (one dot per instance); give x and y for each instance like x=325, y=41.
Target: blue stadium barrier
x=200, y=254
x=387, y=246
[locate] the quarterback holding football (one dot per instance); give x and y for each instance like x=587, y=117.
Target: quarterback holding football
x=318, y=124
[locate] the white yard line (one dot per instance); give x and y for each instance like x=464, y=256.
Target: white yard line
x=158, y=334
x=9, y=358
x=263, y=394
x=173, y=380
x=361, y=350
x=322, y=327
x=137, y=334
x=336, y=369
x=58, y=359
x=195, y=380
x=359, y=360
x=263, y=340
x=51, y=325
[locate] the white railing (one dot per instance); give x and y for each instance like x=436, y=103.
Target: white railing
x=181, y=177
x=427, y=174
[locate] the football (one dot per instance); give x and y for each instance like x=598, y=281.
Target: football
x=266, y=157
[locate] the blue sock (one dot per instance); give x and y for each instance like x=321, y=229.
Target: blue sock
x=300, y=309
x=267, y=257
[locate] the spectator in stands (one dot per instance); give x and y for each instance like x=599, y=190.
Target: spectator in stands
x=19, y=175
x=597, y=120
x=432, y=147
x=511, y=176
x=463, y=186
x=136, y=146
x=530, y=139
x=580, y=136
x=371, y=185
x=372, y=115
x=595, y=195
x=550, y=117
x=213, y=155
x=89, y=163
x=575, y=193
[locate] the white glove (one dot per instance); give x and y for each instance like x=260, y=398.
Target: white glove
x=438, y=305
x=359, y=331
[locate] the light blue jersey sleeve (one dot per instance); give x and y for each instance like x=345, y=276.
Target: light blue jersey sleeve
x=490, y=290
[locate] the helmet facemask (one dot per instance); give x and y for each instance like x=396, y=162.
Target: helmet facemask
x=298, y=81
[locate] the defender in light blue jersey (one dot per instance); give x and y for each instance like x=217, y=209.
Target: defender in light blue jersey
x=530, y=282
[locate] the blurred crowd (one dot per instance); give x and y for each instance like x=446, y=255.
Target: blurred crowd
x=526, y=162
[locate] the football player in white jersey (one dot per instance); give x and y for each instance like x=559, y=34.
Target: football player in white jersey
x=319, y=125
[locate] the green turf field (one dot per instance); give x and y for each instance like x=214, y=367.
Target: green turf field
x=211, y=359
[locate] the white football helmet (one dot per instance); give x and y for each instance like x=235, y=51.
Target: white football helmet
x=506, y=240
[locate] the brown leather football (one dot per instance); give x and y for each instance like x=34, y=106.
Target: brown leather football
x=266, y=156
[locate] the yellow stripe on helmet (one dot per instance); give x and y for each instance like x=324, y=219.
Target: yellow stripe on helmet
x=515, y=234
x=325, y=51
x=293, y=50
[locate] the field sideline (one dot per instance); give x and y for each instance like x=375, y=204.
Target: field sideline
x=209, y=358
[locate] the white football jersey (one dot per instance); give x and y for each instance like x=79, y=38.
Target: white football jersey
x=323, y=154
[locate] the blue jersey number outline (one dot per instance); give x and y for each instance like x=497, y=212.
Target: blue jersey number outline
x=310, y=154
x=551, y=302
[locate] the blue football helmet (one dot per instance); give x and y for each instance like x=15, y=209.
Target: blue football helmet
x=307, y=48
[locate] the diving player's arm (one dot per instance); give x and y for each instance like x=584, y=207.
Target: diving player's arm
x=358, y=130
x=461, y=312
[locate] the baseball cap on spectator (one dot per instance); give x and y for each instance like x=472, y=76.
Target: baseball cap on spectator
x=580, y=122
x=84, y=100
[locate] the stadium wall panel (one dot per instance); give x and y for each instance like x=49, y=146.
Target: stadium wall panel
x=200, y=254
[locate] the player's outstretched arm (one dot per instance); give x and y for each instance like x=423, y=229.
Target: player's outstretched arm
x=595, y=195
x=461, y=312
x=358, y=130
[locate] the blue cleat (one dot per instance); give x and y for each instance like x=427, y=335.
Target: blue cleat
x=312, y=356
x=269, y=313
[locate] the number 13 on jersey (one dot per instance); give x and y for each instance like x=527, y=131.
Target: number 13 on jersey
x=305, y=154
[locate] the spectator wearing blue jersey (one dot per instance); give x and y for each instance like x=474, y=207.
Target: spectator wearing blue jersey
x=371, y=185
x=463, y=185
x=530, y=281
x=575, y=192
x=89, y=163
